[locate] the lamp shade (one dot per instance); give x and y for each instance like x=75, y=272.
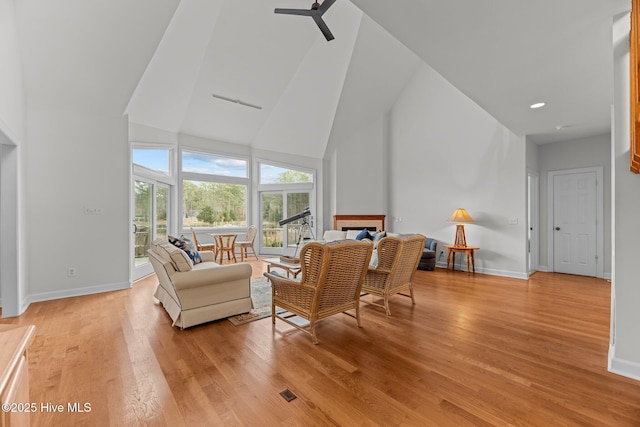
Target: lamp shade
x=459, y=216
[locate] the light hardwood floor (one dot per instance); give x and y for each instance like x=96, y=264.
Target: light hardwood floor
x=475, y=350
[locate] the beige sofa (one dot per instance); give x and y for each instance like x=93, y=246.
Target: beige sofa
x=195, y=294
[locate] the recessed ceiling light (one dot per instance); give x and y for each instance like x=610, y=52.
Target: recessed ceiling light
x=537, y=105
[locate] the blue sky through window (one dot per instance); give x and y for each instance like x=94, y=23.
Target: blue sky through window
x=157, y=160
x=213, y=165
x=270, y=174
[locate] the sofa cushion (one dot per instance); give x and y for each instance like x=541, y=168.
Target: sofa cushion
x=352, y=234
x=178, y=257
x=331, y=235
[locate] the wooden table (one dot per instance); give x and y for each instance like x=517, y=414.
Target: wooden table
x=468, y=250
x=225, y=244
x=290, y=268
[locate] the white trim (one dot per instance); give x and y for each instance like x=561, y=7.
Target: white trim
x=599, y=171
x=77, y=292
x=10, y=138
x=10, y=242
x=623, y=367
x=489, y=271
x=533, y=260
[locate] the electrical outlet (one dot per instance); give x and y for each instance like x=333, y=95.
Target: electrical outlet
x=513, y=221
x=71, y=271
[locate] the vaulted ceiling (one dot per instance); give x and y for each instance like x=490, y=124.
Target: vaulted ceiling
x=160, y=61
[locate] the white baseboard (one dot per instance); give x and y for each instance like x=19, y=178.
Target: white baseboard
x=77, y=292
x=623, y=367
x=490, y=271
x=543, y=268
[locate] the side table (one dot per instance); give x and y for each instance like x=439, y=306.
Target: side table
x=467, y=250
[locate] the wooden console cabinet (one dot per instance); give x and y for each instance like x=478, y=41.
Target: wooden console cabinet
x=14, y=375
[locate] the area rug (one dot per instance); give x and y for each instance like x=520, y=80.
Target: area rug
x=261, y=296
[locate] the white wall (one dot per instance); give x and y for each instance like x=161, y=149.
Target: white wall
x=77, y=159
x=12, y=99
x=360, y=172
x=624, y=354
x=447, y=152
x=580, y=153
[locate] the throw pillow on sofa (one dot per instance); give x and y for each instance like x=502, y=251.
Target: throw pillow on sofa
x=188, y=247
x=364, y=234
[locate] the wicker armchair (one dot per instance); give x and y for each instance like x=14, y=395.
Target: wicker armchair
x=332, y=277
x=398, y=258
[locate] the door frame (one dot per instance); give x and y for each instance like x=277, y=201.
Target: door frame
x=533, y=220
x=599, y=171
x=10, y=282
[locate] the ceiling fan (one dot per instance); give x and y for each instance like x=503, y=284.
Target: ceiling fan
x=316, y=12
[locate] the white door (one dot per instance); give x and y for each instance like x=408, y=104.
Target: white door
x=574, y=223
x=276, y=206
x=151, y=206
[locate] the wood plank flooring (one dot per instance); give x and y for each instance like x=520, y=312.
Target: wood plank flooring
x=475, y=350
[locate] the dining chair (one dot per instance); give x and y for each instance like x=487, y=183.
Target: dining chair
x=203, y=247
x=247, y=243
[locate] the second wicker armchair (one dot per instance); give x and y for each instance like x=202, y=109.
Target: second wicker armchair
x=398, y=258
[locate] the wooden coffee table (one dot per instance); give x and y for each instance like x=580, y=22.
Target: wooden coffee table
x=292, y=269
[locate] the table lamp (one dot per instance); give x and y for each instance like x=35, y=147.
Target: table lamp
x=460, y=216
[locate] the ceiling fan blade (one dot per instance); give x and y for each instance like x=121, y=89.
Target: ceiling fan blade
x=302, y=12
x=326, y=4
x=323, y=27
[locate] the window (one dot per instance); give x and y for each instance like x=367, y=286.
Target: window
x=213, y=204
x=155, y=160
x=270, y=174
x=214, y=190
x=213, y=165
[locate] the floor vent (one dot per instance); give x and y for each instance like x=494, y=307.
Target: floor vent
x=288, y=395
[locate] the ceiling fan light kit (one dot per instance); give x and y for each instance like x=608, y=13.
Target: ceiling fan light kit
x=316, y=12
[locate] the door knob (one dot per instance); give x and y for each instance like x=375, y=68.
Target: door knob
x=557, y=228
